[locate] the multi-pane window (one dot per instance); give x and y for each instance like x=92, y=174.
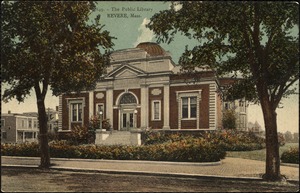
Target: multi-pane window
x=128, y=98
x=76, y=109
x=156, y=114
x=189, y=107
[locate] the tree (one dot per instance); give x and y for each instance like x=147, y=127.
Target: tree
x=53, y=45
x=229, y=119
x=288, y=136
x=252, y=39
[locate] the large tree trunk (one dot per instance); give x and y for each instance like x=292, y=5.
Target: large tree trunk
x=43, y=129
x=272, y=146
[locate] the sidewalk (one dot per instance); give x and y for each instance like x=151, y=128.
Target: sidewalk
x=227, y=168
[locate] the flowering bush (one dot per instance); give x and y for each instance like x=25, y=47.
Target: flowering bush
x=24, y=149
x=157, y=137
x=79, y=135
x=233, y=140
x=230, y=140
x=291, y=156
x=189, y=150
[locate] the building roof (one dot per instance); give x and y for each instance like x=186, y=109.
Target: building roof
x=153, y=49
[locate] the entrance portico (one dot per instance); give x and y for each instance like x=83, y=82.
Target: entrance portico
x=127, y=105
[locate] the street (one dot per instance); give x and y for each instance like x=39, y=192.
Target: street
x=37, y=180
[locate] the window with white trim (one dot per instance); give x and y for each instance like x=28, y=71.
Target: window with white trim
x=29, y=123
x=76, y=112
x=35, y=124
x=156, y=110
x=188, y=107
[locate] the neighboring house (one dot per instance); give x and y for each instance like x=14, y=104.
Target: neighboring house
x=255, y=127
x=52, y=116
x=240, y=108
x=18, y=128
x=143, y=88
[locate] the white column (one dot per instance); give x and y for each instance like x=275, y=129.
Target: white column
x=166, y=106
x=91, y=104
x=144, y=106
x=198, y=110
x=212, y=106
x=109, y=105
x=59, y=113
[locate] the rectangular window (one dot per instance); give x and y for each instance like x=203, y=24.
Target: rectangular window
x=193, y=107
x=4, y=135
x=189, y=107
x=28, y=135
x=2, y=122
x=34, y=124
x=76, y=109
x=29, y=123
x=185, y=107
x=156, y=110
x=23, y=123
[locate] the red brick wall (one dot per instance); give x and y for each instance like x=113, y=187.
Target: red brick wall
x=204, y=107
x=156, y=124
x=116, y=119
x=137, y=92
x=65, y=107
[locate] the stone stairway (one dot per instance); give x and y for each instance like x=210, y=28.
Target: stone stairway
x=117, y=138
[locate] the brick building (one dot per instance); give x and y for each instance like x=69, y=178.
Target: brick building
x=143, y=88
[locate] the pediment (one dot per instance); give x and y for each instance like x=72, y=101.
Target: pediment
x=125, y=71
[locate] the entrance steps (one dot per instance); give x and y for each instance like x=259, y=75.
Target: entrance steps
x=117, y=138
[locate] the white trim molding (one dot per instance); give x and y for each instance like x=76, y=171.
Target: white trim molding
x=153, y=110
x=188, y=93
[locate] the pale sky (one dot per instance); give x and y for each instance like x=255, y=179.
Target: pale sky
x=130, y=31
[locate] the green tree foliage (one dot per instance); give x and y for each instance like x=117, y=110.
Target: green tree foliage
x=50, y=45
x=229, y=119
x=252, y=39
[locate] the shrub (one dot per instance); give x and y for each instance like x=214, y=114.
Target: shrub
x=233, y=140
x=229, y=119
x=230, y=140
x=188, y=150
x=79, y=135
x=291, y=155
x=24, y=149
x=281, y=139
x=158, y=137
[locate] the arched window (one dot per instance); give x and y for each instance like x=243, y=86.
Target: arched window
x=128, y=98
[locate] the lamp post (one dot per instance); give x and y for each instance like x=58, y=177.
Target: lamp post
x=100, y=119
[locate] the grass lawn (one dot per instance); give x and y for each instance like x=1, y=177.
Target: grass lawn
x=258, y=154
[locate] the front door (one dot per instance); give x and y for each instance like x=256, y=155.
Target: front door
x=127, y=120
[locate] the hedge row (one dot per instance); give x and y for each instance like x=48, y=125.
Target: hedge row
x=195, y=150
x=230, y=140
x=291, y=155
